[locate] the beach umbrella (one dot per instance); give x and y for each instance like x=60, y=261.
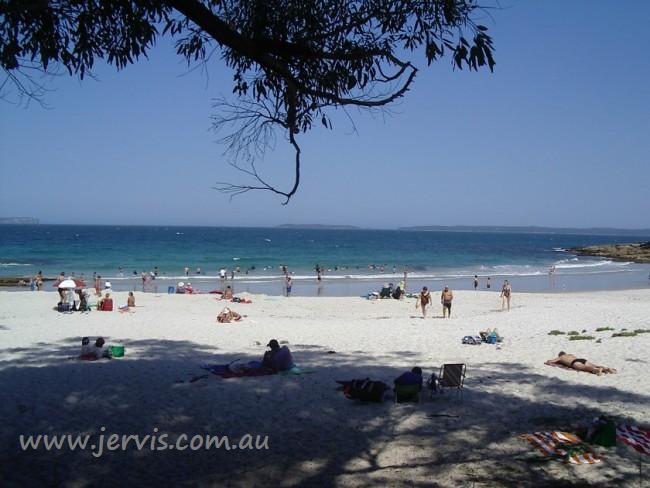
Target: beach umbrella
x=70, y=283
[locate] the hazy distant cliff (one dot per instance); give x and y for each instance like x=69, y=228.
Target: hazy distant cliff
x=18, y=220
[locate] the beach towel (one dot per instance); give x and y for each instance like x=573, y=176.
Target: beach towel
x=563, y=446
x=634, y=437
x=296, y=371
x=227, y=371
x=224, y=371
x=562, y=366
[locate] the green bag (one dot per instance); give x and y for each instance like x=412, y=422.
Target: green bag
x=604, y=433
x=116, y=351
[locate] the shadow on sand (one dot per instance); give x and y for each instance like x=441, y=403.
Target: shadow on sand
x=316, y=437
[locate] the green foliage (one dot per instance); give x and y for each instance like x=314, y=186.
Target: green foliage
x=603, y=329
x=624, y=334
x=599, y=341
x=642, y=331
x=291, y=60
x=581, y=338
x=573, y=332
x=556, y=332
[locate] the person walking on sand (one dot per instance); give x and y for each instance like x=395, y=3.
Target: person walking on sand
x=475, y=282
x=506, y=292
x=445, y=298
x=424, y=300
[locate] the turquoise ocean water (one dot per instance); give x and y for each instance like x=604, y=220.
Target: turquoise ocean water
x=355, y=261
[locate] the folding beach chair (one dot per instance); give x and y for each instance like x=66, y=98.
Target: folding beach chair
x=451, y=376
x=407, y=393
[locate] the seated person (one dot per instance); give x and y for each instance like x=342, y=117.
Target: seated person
x=386, y=290
x=106, y=303
x=130, y=301
x=408, y=386
x=87, y=351
x=413, y=377
x=99, y=350
x=227, y=293
x=579, y=364
x=188, y=288
x=278, y=358
x=397, y=294
x=227, y=315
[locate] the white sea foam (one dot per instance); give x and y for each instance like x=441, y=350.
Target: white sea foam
x=575, y=263
x=15, y=264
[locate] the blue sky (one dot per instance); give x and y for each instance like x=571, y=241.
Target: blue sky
x=558, y=135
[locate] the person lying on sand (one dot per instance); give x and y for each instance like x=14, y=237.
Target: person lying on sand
x=227, y=315
x=579, y=364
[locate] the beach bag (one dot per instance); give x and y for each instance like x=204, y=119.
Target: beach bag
x=63, y=307
x=433, y=384
x=602, y=432
x=473, y=340
x=116, y=351
x=365, y=390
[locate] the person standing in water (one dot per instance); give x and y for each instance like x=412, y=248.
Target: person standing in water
x=475, y=282
x=487, y=283
x=506, y=292
x=288, y=285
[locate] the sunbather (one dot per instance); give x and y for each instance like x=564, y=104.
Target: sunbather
x=227, y=315
x=579, y=364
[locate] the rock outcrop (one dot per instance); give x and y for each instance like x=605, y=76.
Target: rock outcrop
x=637, y=253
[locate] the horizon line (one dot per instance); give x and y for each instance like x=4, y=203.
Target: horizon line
x=352, y=227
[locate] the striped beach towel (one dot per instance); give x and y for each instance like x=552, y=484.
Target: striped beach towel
x=634, y=437
x=563, y=446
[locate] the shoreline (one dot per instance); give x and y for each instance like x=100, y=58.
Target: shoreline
x=631, y=278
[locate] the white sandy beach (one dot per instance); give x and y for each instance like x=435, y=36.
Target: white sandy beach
x=317, y=436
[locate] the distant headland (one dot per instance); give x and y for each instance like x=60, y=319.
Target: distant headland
x=318, y=226
x=599, y=231
x=18, y=220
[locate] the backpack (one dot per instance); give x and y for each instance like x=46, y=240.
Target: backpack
x=365, y=390
x=474, y=340
x=602, y=432
x=433, y=383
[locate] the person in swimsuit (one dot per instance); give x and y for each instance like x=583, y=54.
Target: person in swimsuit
x=506, y=292
x=579, y=364
x=424, y=300
x=445, y=298
x=475, y=282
